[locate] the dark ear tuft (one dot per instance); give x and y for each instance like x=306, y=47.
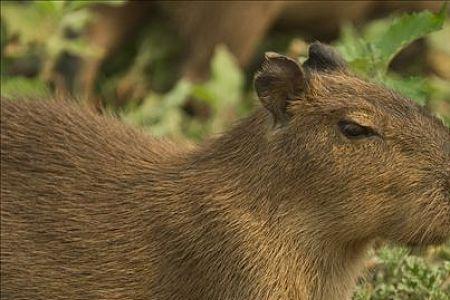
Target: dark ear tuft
x=324, y=58
x=280, y=80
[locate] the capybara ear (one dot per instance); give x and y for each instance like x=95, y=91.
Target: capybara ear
x=324, y=58
x=280, y=80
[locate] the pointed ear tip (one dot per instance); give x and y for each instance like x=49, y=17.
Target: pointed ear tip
x=316, y=46
x=325, y=57
x=276, y=57
x=271, y=54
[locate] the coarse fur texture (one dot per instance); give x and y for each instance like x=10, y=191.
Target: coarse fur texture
x=94, y=209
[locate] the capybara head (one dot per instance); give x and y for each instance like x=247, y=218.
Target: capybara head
x=373, y=163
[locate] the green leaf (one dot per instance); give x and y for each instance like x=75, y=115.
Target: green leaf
x=162, y=114
x=226, y=78
x=405, y=30
x=49, y=7
x=23, y=87
x=32, y=23
x=371, y=52
x=81, y=4
x=351, y=45
x=223, y=91
x=414, y=87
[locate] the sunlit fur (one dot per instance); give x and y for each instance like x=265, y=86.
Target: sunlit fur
x=93, y=209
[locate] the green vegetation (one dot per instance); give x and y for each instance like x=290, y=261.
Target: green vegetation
x=223, y=94
x=371, y=52
x=398, y=275
x=34, y=37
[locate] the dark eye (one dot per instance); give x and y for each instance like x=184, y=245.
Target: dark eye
x=353, y=130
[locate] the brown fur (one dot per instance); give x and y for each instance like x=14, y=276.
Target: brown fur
x=93, y=209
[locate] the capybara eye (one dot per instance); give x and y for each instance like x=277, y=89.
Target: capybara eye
x=353, y=130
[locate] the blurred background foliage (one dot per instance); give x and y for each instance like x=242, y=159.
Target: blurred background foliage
x=184, y=70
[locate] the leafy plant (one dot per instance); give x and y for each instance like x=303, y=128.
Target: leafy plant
x=38, y=30
x=370, y=52
x=163, y=114
x=402, y=276
x=22, y=86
